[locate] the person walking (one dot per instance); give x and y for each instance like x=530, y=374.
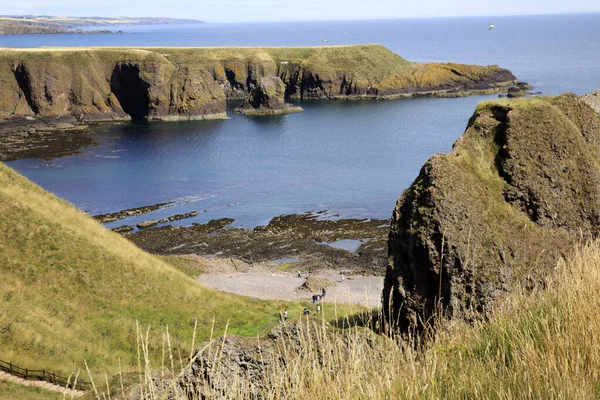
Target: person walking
x=318, y=308
x=299, y=274
x=342, y=277
x=285, y=315
x=323, y=293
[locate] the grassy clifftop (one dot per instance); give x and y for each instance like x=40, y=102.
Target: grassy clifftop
x=194, y=83
x=72, y=290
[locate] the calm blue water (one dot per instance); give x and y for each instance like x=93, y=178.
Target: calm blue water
x=348, y=157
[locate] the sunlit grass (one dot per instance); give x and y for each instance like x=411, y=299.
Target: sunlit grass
x=543, y=344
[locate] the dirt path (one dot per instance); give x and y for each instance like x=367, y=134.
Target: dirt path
x=41, y=384
x=364, y=290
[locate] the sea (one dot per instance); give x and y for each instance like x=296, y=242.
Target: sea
x=350, y=159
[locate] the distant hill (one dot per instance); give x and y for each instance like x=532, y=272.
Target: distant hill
x=43, y=24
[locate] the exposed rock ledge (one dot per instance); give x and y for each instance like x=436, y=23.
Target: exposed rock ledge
x=518, y=190
x=267, y=98
x=108, y=84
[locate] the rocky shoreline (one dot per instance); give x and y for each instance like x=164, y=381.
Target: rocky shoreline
x=45, y=138
x=130, y=212
x=296, y=242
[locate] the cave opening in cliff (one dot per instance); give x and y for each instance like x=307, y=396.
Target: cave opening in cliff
x=24, y=81
x=131, y=90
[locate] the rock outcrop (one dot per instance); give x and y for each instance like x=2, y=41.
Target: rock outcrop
x=104, y=85
x=518, y=190
x=515, y=91
x=593, y=100
x=108, y=84
x=235, y=367
x=267, y=98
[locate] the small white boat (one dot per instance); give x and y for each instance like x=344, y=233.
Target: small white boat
x=492, y=26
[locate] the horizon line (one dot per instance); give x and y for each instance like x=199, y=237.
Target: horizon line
x=205, y=21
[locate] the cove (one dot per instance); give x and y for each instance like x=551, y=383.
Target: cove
x=351, y=158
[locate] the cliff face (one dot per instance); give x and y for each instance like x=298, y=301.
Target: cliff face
x=519, y=188
x=267, y=97
x=95, y=85
x=194, y=83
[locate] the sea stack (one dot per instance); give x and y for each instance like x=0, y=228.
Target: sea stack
x=517, y=192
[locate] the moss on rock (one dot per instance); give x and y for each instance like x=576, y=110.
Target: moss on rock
x=519, y=188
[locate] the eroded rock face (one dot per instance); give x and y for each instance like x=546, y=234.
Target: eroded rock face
x=267, y=97
x=233, y=367
x=106, y=84
x=519, y=188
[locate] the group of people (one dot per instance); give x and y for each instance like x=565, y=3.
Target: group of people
x=316, y=299
x=319, y=296
x=307, y=310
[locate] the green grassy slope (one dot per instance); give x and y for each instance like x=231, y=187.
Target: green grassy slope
x=72, y=290
x=13, y=391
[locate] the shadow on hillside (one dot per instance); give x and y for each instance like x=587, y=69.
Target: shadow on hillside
x=371, y=319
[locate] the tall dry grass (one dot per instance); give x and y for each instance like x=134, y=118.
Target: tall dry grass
x=543, y=344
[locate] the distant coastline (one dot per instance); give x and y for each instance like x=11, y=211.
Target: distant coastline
x=51, y=25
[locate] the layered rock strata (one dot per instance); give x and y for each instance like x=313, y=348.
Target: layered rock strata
x=114, y=84
x=267, y=98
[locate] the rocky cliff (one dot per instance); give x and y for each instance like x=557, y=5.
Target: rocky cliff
x=267, y=97
x=100, y=84
x=519, y=188
x=104, y=84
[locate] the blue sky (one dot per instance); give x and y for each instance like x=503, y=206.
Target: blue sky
x=295, y=10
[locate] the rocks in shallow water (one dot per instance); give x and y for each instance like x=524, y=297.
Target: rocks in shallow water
x=130, y=212
x=146, y=224
x=267, y=98
x=177, y=217
x=124, y=228
x=290, y=237
x=519, y=90
x=515, y=91
x=524, y=85
x=518, y=190
x=111, y=217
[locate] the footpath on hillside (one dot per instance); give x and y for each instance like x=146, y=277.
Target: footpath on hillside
x=40, y=384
